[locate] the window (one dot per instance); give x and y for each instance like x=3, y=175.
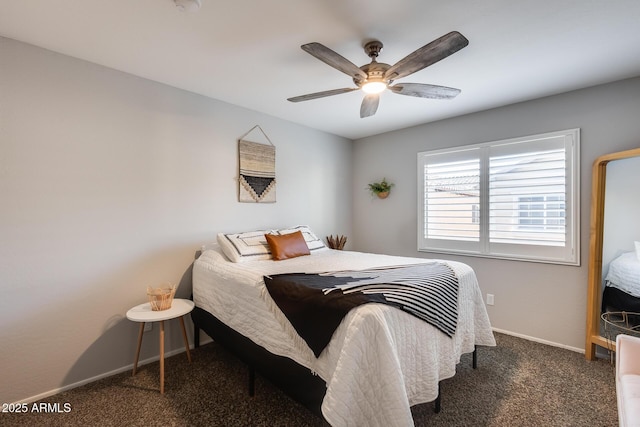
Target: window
x=514, y=199
x=536, y=212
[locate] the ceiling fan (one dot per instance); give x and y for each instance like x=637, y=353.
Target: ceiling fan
x=375, y=77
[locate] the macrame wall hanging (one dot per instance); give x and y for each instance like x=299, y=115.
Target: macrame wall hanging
x=257, y=167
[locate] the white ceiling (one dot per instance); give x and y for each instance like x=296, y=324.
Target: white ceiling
x=247, y=52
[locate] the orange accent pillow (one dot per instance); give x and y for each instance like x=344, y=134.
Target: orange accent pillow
x=287, y=246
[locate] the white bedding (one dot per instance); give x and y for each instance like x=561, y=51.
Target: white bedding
x=380, y=360
x=624, y=274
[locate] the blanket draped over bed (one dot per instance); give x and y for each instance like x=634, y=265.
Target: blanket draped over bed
x=315, y=304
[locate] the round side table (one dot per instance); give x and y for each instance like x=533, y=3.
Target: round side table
x=142, y=313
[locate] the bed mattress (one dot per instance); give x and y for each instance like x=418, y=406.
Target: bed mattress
x=380, y=360
x=624, y=274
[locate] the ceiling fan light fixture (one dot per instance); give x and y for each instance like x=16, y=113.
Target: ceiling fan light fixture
x=373, y=87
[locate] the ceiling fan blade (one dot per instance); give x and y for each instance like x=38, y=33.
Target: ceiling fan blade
x=427, y=55
x=425, y=91
x=334, y=59
x=369, y=105
x=322, y=94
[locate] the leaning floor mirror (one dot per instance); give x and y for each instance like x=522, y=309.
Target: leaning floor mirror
x=613, y=299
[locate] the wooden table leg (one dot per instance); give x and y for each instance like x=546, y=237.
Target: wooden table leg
x=186, y=340
x=162, y=357
x=135, y=363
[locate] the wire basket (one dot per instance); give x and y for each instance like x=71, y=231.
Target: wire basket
x=161, y=298
x=619, y=322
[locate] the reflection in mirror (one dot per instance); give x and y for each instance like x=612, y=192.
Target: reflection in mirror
x=620, y=263
x=615, y=175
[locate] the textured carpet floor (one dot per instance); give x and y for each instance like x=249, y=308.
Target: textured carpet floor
x=517, y=383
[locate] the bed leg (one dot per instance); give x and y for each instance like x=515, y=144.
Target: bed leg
x=475, y=357
x=438, y=402
x=196, y=336
x=252, y=381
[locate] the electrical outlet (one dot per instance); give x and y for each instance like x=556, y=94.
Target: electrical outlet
x=148, y=326
x=490, y=299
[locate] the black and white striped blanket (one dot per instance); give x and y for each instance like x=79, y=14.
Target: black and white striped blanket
x=315, y=304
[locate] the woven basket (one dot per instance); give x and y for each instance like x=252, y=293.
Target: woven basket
x=161, y=298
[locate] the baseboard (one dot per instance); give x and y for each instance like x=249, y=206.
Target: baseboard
x=107, y=374
x=539, y=340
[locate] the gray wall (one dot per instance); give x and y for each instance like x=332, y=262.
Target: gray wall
x=541, y=301
x=110, y=183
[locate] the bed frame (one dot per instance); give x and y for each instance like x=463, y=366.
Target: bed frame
x=293, y=379
x=614, y=299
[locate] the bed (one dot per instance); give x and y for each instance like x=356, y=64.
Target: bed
x=622, y=284
x=380, y=360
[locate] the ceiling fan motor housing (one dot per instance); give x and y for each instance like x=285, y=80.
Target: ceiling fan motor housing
x=374, y=70
x=375, y=73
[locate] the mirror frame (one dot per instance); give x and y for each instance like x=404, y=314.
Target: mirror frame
x=594, y=295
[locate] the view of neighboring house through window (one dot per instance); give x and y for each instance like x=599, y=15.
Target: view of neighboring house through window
x=513, y=199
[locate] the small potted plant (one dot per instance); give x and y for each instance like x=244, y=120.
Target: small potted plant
x=381, y=189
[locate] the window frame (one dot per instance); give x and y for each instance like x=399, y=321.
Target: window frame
x=567, y=254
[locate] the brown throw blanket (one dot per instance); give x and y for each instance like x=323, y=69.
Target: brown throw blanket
x=315, y=304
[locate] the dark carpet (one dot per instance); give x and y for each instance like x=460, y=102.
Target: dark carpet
x=517, y=383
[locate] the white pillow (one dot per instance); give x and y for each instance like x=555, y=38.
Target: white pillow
x=211, y=245
x=247, y=246
x=313, y=242
x=637, y=250
x=252, y=245
x=213, y=253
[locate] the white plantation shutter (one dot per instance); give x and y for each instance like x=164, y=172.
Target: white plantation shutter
x=451, y=197
x=508, y=199
x=453, y=190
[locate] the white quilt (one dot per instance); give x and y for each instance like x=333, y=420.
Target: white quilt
x=380, y=360
x=624, y=274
